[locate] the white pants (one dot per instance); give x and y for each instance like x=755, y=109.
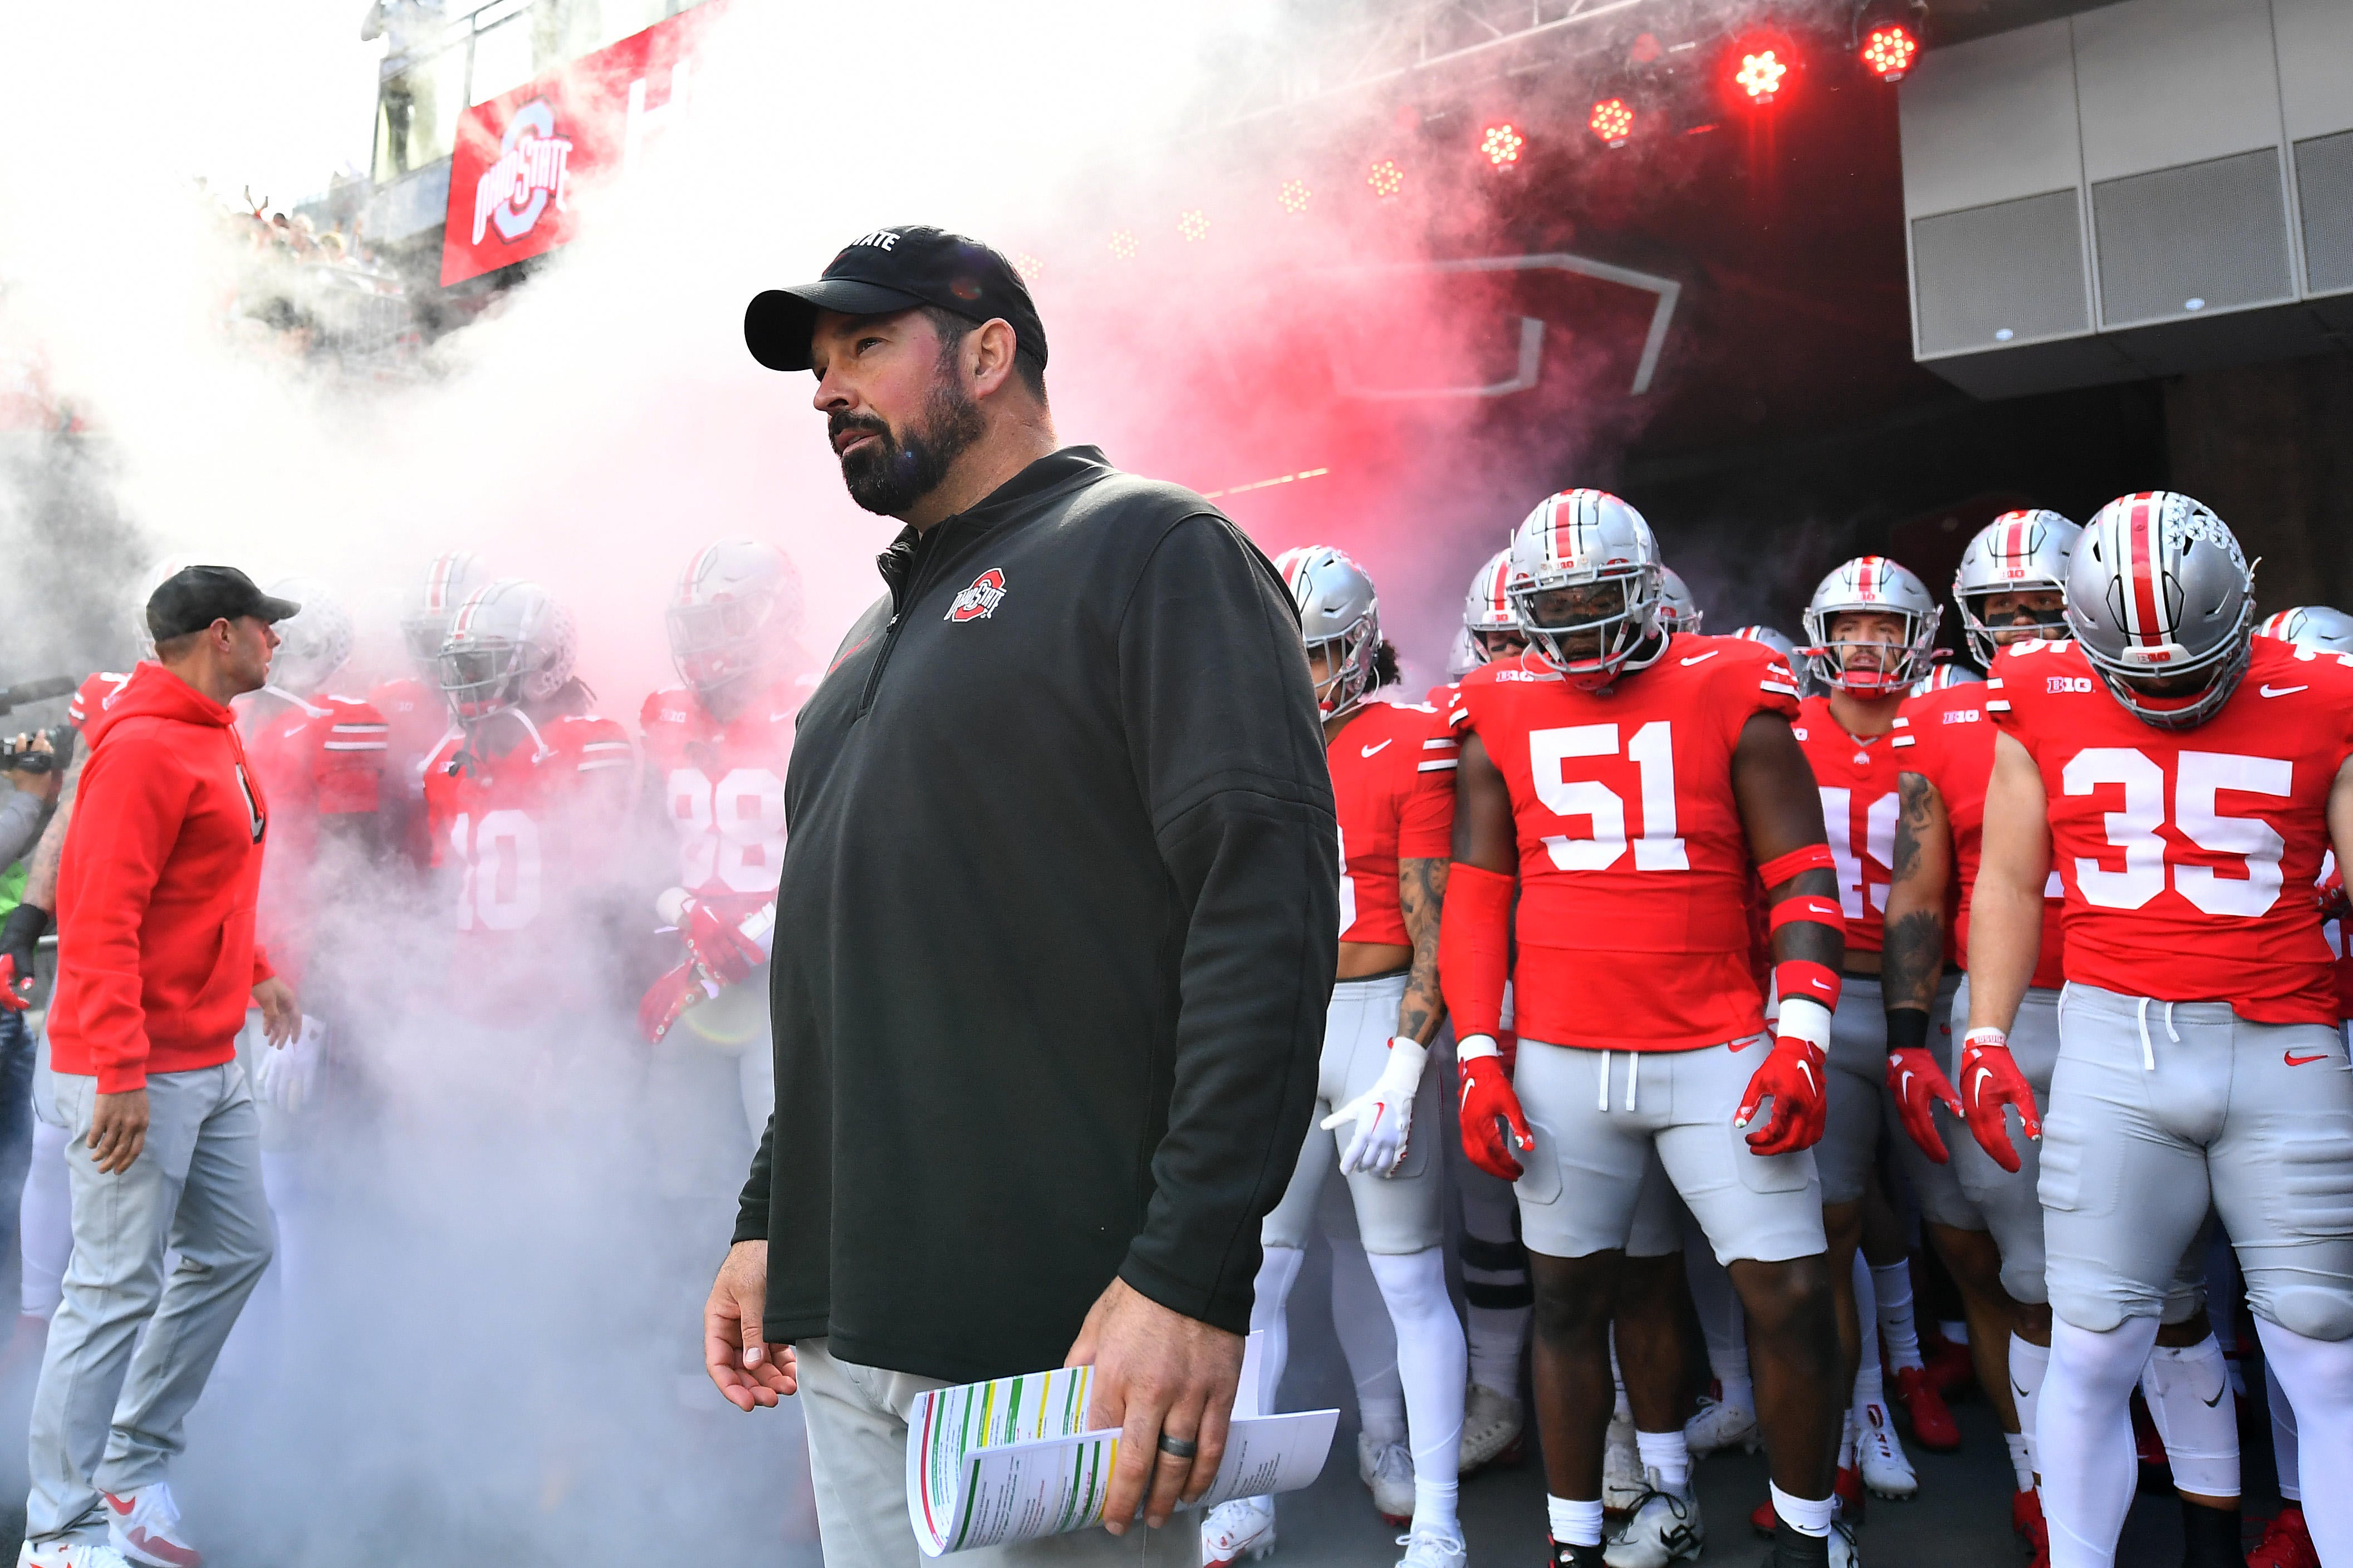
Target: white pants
x=856, y=1418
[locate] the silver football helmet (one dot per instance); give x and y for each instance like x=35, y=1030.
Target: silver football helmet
x=154, y=577
x=510, y=643
x=1582, y=539
x=1678, y=611
x=1464, y=654
x=1486, y=612
x=1339, y=614
x=315, y=642
x=1872, y=584
x=2159, y=590
x=1944, y=677
x=737, y=609
x=450, y=581
x=1778, y=641
x=2314, y=626
x=2018, y=551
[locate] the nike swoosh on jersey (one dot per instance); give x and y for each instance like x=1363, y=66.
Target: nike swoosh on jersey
x=1369, y=750
x=2282, y=691
x=2296, y=1061
x=1699, y=658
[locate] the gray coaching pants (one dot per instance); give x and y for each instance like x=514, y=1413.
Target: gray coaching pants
x=108, y=1411
x=856, y=1418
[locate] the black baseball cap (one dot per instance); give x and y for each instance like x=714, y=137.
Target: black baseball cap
x=195, y=596
x=894, y=270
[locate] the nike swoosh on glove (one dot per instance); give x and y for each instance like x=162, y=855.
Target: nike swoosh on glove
x=1791, y=1076
x=1383, y=1114
x=1989, y=1081
x=718, y=944
x=1488, y=1108
x=667, y=1000
x=1919, y=1084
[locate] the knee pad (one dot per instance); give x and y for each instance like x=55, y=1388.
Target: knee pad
x=2318, y=1312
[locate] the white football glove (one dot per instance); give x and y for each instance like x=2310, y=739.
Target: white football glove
x=285, y=1075
x=1383, y=1114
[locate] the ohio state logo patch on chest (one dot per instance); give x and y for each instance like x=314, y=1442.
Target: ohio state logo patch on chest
x=981, y=600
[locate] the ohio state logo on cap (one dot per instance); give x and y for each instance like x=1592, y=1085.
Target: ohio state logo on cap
x=981, y=600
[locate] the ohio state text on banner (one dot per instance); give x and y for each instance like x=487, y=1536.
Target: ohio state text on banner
x=520, y=157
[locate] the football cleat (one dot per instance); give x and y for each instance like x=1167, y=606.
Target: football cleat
x=1932, y=1427
x=2286, y=1542
x=144, y=1526
x=1387, y=1469
x=1665, y=1527
x=1846, y=1489
x=1234, y=1531
x=70, y=1554
x=1950, y=1366
x=1623, y=1481
x=1717, y=1426
x=1493, y=1429
x=1879, y=1455
x=1842, y=1551
x=1574, y=1556
x=1434, y=1548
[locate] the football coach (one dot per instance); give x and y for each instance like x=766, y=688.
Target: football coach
x=1055, y=934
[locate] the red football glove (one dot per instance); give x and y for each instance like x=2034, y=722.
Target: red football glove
x=1488, y=1109
x=718, y=943
x=1919, y=1084
x=2330, y=898
x=667, y=1000
x=1989, y=1081
x=1793, y=1076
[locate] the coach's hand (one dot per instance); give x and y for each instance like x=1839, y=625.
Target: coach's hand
x=1156, y=1373
x=118, y=1129
x=748, y=1370
x=281, y=1015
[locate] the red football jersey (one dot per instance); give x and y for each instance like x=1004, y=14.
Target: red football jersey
x=1947, y=739
x=1857, y=775
x=417, y=720
x=1393, y=784
x=1635, y=875
x=2190, y=855
x=722, y=787
x=523, y=834
x=317, y=758
x=91, y=695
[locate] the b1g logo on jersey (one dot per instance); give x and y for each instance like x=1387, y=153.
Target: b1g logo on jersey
x=979, y=601
x=2063, y=685
x=1962, y=716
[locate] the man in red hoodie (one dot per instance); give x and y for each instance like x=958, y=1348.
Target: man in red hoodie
x=156, y=961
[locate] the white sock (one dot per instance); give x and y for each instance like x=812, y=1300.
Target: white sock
x=2317, y=1375
x=1740, y=1393
x=1668, y=1454
x=1721, y=1321
x=1430, y=1362
x=1360, y=1319
x=1893, y=1281
x=1278, y=1271
x=2202, y=1439
x=1870, y=1388
x=1574, y=1523
x=1807, y=1516
x=2083, y=1437
x=2022, y=1459
x=2283, y=1447
x=2030, y=1364
x=1846, y=1441
x=1495, y=1286
x=1955, y=1331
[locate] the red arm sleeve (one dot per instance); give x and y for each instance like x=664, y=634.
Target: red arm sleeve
x=126, y=819
x=1474, y=947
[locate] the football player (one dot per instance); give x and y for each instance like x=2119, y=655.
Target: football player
x=1627, y=787
x=416, y=714
x=523, y=801
x=715, y=750
x=1678, y=611
x=1392, y=782
x=2188, y=779
x=1872, y=626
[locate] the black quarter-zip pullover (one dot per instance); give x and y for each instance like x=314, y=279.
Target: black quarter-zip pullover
x=1055, y=934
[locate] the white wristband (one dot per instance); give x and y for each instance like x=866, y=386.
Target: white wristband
x=1476, y=1045
x=1986, y=1036
x=1803, y=1018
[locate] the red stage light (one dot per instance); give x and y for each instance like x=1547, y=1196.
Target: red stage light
x=1500, y=145
x=1194, y=225
x=1890, y=51
x=1293, y=196
x=1386, y=178
x=1613, y=121
x=1761, y=73
x=1123, y=244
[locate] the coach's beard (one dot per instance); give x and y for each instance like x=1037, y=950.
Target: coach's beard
x=888, y=475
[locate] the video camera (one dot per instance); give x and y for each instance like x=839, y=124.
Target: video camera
x=24, y=758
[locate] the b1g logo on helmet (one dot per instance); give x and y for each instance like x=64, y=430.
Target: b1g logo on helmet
x=979, y=601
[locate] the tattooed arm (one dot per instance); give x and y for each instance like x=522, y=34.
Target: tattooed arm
x=41, y=870
x=1913, y=960
x=1421, y=886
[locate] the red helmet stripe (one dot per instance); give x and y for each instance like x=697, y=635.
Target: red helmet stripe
x=2140, y=554
x=1862, y=573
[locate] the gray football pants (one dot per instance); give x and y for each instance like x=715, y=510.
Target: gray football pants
x=109, y=1412
x=2159, y=1109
